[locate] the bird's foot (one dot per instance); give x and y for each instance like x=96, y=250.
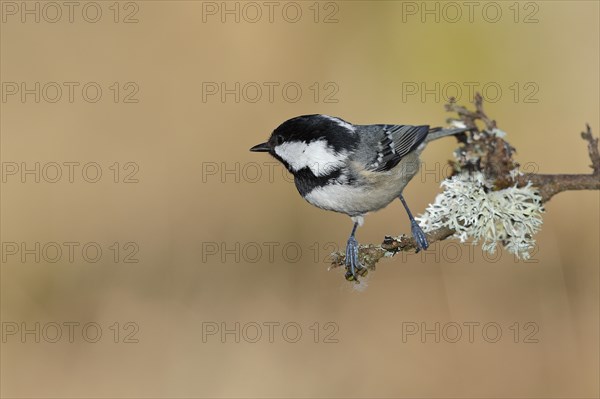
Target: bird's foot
x=419, y=236
x=353, y=266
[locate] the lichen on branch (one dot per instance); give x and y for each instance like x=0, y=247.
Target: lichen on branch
x=487, y=199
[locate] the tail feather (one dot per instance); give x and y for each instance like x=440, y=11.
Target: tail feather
x=438, y=132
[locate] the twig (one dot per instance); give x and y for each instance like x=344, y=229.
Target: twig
x=369, y=255
x=469, y=117
x=495, y=159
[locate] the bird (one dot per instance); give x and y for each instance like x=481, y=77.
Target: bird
x=352, y=169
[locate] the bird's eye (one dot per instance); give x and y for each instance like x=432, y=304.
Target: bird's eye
x=278, y=139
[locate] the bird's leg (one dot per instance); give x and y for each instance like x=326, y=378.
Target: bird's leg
x=353, y=266
x=417, y=232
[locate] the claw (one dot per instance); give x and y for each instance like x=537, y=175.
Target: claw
x=417, y=232
x=419, y=235
x=350, y=277
x=353, y=265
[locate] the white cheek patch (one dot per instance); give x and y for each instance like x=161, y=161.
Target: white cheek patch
x=318, y=156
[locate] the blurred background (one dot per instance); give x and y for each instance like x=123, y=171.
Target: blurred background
x=147, y=253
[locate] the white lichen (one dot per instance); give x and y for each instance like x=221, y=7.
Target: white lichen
x=468, y=205
x=498, y=133
x=457, y=124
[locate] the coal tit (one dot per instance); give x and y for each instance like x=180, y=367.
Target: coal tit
x=352, y=169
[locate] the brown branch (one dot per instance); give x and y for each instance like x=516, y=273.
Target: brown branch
x=469, y=117
x=592, y=149
x=494, y=158
x=550, y=185
x=370, y=254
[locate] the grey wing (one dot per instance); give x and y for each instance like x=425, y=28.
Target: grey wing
x=391, y=143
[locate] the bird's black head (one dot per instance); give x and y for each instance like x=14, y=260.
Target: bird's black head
x=318, y=142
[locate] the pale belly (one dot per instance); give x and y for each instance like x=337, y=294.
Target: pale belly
x=375, y=191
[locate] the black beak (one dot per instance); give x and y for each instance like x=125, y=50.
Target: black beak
x=262, y=147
